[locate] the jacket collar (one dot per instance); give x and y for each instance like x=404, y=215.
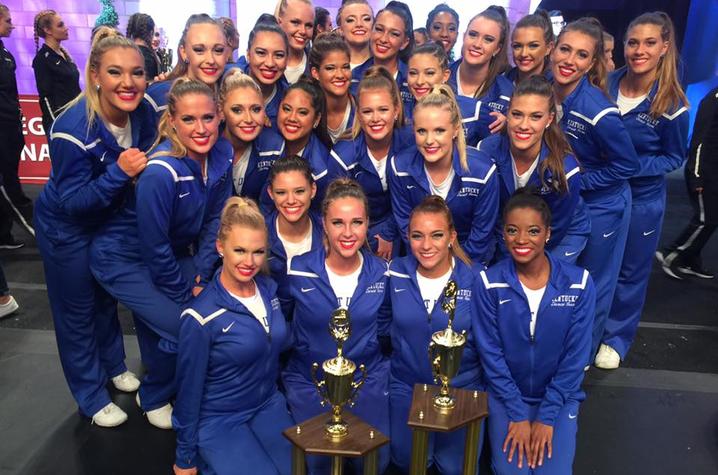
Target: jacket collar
x=556, y=282
x=223, y=299
x=504, y=163
x=275, y=244
x=614, y=82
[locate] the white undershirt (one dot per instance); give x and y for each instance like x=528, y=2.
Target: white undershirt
x=293, y=73
x=336, y=133
x=627, y=104
x=534, y=297
x=559, y=112
x=256, y=307
x=521, y=180
x=123, y=135
x=239, y=170
x=442, y=189
x=431, y=289
x=344, y=285
x=296, y=248
x=380, y=167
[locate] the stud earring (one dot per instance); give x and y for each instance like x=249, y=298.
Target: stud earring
x=97, y=86
x=186, y=61
x=221, y=255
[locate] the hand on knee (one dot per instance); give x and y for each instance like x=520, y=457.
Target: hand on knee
x=517, y=441
x=541, y=438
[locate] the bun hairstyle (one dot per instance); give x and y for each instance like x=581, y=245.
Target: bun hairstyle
x=267, y=24
x=592, y=28
x=230, y=32
x=141, y=26
x=240, y=211
x=316, y=96
x=499, y=63
x=553, y=136
x=443, y=97
x=435, y=50
x=344, y=188
x=346, y=3
x=44, y=20
x=180, y=88
x=434, y=204
x=294, y=163
x=670, y=95
x=181, y=67
x=401, y=10
x=528, y=197
x=378, y=77
x=235, y=78
x=104, y=40
x=325, y=43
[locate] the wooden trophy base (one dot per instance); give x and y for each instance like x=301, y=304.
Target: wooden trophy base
x=470, y=409
x=310, y=438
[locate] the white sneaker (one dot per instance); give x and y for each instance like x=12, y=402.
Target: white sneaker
x=8, y=307
x=109, y=416
x=607, y=358
x=160, y=417
x=126, y=382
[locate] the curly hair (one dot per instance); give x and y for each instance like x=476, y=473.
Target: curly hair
x=141, y=26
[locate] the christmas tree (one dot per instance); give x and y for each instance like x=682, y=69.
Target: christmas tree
x=108, y=15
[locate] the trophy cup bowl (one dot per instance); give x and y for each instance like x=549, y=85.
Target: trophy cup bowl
x=338, y=388
x=445, y=351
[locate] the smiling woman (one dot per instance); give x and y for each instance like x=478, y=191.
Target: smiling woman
x=296, y=18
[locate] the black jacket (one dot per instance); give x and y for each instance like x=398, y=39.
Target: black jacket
x=702, y=165
x=9, y=101
x=58, y=82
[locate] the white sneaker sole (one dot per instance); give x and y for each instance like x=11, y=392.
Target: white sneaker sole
x=687, y=271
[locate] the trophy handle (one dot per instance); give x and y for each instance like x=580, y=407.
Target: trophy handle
x=318, y=384
x=434, y=361
x=357, y=384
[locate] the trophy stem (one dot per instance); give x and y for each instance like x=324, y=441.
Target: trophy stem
x=443, y=401
x=336, y=429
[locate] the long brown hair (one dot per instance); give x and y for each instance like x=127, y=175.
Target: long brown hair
x=180, y=88
x=378, y=77
x=592, y=28
x=434, y=204
x=539, y=19
x=670, y=95
x=443, y=97
x=499, y=63
x=553, y=136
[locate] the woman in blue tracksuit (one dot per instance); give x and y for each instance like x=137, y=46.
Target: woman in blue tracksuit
x=533, y=329
x=392, y=39
x=94, y=159
x=266, y=60
x=202, y=56
x=604, y=150
x=376, y=139
x=534, y=152
x=329, y=64
x=429, y=66
x=293, y=228
x=302, y=122
x=159, y=249
x=416, y=286
x=229, y=413
x=654, y=110
x=479, y=71
x=341, y=274
x=255, y=146
x=532, y=40
x=441, y=164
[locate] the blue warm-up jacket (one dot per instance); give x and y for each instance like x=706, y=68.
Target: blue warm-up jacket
x=412, y=326
x=547, y=369
x=473, y=198
x=496, y=98
x=227, y=364
x=659, y=143
x=598, y=137
x=401, y=80
x=266, y=148
x=568, y=212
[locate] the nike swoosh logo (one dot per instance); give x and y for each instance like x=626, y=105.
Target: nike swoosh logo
x=572, y=416
x=569, y=254
x=649, y=233
x=609, y=234
x=409, y=187
x=225, y=330
x=501, y=302
x=58, y=62
x=304, y=291
x=182, y=195
x=398, y=290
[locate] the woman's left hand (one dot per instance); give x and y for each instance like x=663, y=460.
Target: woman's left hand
x=383, y=248
x=497, y=125
x=541, y=438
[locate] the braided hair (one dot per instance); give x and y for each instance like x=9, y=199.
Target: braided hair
x=44, y=20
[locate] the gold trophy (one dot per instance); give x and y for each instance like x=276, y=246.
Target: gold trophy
x=445, y=350
x=338, y=386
